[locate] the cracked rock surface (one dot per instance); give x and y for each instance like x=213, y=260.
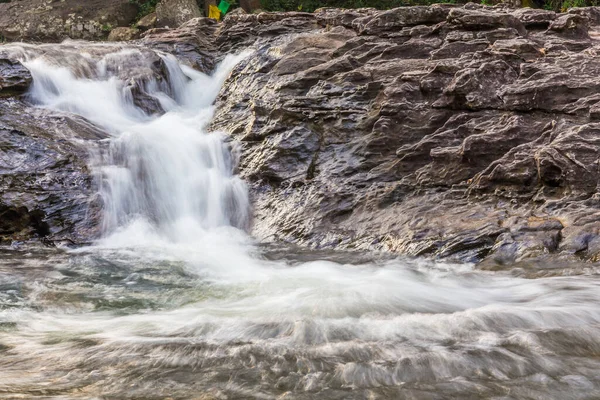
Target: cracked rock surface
x=471, y=133
x=468, y=132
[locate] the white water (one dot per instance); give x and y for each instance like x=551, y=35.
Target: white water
x=171, y=196
x=162, y=175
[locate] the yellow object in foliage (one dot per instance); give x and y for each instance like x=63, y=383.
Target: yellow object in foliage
x=214, y=13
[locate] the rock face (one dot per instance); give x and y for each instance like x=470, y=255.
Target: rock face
x=466, y=132
x=50, y=21
x=173, y=13
x=442, y=131
x=14, y=77
x=192, y=43
x=48, y=188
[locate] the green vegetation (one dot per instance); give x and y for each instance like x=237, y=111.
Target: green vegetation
x=312, y=5
x=145, y=7
x=564, y=5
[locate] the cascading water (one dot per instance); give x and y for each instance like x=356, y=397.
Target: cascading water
x=165, y=173
x=174, y=301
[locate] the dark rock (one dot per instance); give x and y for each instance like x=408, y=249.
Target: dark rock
x=483, y=20
x=534, y=18
x=385, y=23
x=14, y=77
x=45, y=183
x=463, y=132
x=343, y=17
x=591, y=13
x=572, y=26
x=525, y=48
x=467, y=136
x=192, y=43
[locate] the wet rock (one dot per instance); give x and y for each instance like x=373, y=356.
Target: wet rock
x=535, y=18
x=14, y=77
x=40, y=20
x=123, y=34
x=452, y=132
x=461, y=132
x=571, y=26
x=45, y=183
x=591, y=13
x=386, y=23
x=192, y=43
x=16, y=222
x=173, y=13
x=483, y=20
x=525, y=48
x=240, y=31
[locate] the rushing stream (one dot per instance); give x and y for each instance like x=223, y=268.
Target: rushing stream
x=177, y=301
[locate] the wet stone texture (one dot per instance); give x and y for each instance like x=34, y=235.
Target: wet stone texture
x=46, y=187
x=465, y=132
x=469, y=132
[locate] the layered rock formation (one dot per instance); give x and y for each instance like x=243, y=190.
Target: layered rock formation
x=441, y=131
x=469, y=132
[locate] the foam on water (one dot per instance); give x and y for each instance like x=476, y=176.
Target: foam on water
x=171, y=198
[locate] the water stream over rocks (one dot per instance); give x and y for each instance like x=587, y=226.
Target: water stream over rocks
x=177, y=301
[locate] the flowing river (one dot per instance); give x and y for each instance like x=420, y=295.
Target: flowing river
x=177, y=301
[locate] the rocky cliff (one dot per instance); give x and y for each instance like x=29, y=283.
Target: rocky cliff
x=466, y=132
x=442, y=131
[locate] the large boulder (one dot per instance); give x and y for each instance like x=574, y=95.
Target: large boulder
x=147, y=22
x=41, y=20
x=173, y=13
x=450, y=132
x=14, y=77
x=46, y=187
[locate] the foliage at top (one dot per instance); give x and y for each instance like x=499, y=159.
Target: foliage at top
x=312, y=5
x=145, y=7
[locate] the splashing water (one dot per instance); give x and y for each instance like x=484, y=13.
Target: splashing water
x=176, y=301
x=162, y=174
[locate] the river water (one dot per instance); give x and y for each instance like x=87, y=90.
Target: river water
x=176, y=300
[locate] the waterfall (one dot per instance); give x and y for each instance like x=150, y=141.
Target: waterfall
x=173, y=303
x=163, y=173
